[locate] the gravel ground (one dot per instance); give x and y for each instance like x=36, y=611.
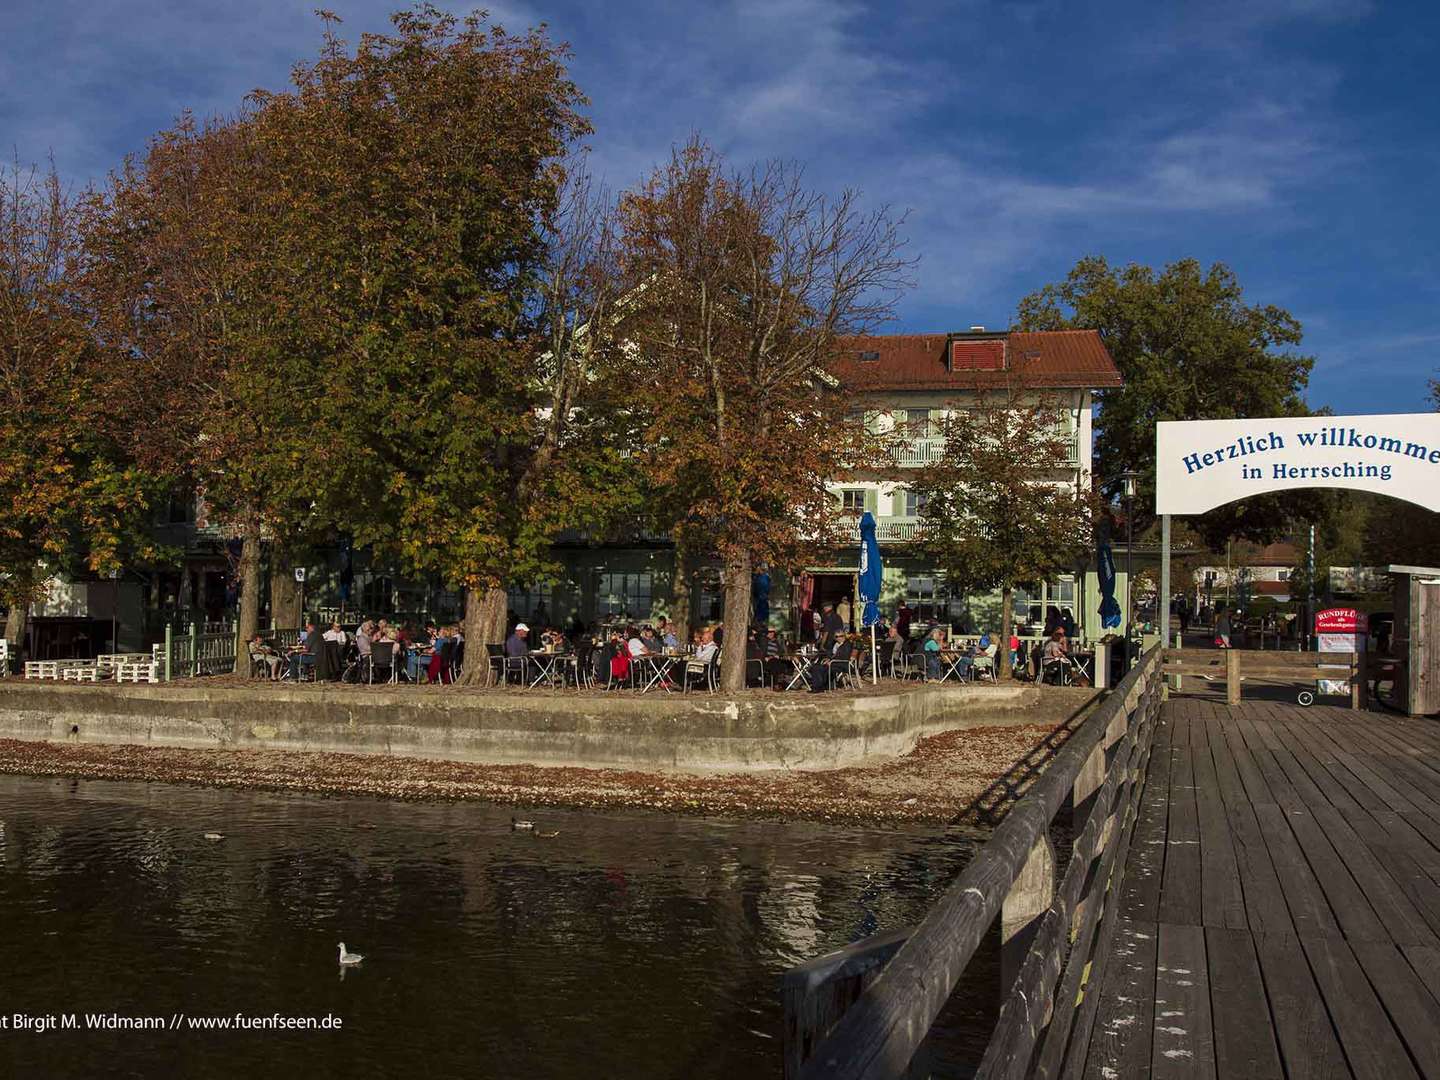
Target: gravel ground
x=965, y=775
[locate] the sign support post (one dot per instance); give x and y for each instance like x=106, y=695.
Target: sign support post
x=1162, y=603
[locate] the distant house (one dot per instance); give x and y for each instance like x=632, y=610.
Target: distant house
x=906, y=383
x=1255, y=573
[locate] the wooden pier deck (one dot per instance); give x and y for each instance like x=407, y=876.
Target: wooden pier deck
x=1279, y=913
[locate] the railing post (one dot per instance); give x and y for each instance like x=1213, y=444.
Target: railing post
x=1102, y=665
x=169, y=645
x=1358, y=689
x=194, y=665
x=1028, y=899
x=1232, y=676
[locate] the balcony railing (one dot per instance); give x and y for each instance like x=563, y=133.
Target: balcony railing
x=891, y=530
x=917, y=453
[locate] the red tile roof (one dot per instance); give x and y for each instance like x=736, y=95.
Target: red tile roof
x=1051, y=359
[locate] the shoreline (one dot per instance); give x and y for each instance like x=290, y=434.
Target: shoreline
x=960, y=776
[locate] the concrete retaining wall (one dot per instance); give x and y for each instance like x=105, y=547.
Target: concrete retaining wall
x=659, y=731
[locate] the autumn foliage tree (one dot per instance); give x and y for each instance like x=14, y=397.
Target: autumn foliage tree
x=72, y=495
x=189, y=280
x=746, y=280
x=1002, y=508
x=446, y=273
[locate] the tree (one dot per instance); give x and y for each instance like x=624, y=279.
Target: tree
x=458, y=294
x=72, y=496
x=1188, y=348
x=189, y=280
x=745, y=281
x=1002, y=507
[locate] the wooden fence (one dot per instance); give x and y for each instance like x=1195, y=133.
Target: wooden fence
x=183, y=656
x=1233, y=666
x=863, y=1012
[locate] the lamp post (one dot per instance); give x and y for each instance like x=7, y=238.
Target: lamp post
x=1127, y=478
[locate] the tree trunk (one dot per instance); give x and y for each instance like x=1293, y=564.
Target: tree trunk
x=249, y=621
x=285, y=610
x=683, y=585
x=1007, y=621
x=737, y=622
x=485, y=610
x=15, y=626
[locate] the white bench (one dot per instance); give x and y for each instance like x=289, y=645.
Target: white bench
x=80, y=671
x=136, y=671
x=42, y=669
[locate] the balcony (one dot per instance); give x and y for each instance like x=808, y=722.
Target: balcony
x=917, y=453
x=896, y=530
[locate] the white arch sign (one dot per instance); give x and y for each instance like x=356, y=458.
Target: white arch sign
x=1202, y=464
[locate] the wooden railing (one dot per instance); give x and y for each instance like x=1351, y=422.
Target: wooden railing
x=863, y=1012
x=1233, y=666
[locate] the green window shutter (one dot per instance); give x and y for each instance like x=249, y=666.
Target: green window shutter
x=899, y=418
x=872, y=500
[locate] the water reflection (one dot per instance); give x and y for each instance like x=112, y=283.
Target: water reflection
x=630, y=945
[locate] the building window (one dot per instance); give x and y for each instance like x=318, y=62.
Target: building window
x=915, y=504
x=624, y=594
x=926, y=596
x=852, y=500
x=919, y=423
x=536, y=602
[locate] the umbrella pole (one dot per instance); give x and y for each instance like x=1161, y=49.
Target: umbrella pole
x=874, y=658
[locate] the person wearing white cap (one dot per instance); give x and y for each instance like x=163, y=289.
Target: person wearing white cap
x=518, y=643
x=517, y=647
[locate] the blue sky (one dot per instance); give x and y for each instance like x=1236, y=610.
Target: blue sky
x=1296, y=140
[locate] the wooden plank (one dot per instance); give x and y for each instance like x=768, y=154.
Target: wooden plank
x=1412, y=1007
x=1309, y=1047
x=1265, y=908
x=1371, y=1044
x=1425, y=962
x=1222, y=902
x=1183, y=1044
x=1347, y=899
x=1180, y=896
x=1120, y=1043
x=1244, y=1037
x=1145, y=868
x=1309, y=910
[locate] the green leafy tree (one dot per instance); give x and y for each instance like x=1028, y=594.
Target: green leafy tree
x=1189, y=348
x=1001, y=506
x=743, y=282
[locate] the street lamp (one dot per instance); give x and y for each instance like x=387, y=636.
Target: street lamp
x=1127, y=479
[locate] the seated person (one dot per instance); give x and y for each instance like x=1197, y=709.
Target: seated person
x=934, y=642
x=261, y=652
x=304, y=656
x=708, y=649
x=517, y=650
x=1055, y=657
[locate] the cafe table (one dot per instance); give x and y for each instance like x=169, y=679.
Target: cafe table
x=547, y=667
x=654, y=670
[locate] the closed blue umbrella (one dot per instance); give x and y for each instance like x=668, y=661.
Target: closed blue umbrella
x=1105, y=571
x=870, y=575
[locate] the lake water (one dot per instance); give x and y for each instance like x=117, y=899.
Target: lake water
x=630, y=945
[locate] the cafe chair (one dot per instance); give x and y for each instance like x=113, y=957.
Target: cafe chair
x=382, y=657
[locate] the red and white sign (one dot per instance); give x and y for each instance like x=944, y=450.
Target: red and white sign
x=1339, y=630
x=1341, y=621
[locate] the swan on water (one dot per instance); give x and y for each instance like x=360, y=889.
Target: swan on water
x=214, y=836
x=521, y=824
x=349, y=957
